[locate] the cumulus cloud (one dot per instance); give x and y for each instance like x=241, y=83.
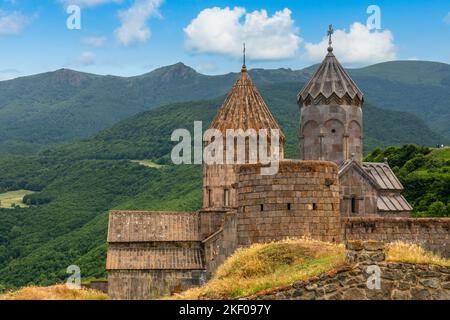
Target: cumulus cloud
x=86, y=58
x=222, y=31
x=88, y=3
x=13, y=22
x=447, y=18
x=134, y=20
x=357, y=46
x=94, y=41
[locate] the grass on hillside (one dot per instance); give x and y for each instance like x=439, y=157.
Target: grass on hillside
x=265, y=266
x=56, y=292
x=412, y=253
x=8, y=199
x=441, y=154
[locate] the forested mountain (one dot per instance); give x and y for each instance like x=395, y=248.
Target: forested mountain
x=147, y=135
x=56, y=107
x=76, y=182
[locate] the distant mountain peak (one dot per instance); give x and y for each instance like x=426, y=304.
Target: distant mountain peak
x=177, y=71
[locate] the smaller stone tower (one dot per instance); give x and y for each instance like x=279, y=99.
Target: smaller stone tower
x=244, y=108
x=331, y=114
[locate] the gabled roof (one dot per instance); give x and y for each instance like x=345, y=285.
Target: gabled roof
x=392, y=202
x=383, y=175
x=150, y=257
x=347, y=164
x=145, y=226
x=331, y=84
x=383, y=178
x=380, y=174
x=244, y=108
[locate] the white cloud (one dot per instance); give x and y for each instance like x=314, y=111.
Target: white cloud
x=134, y=20
x=447, y=18
x=358, y=46
x=86, y=58
x=206, y=67
x=7, y=74
x=88, y=3
x=94, y=41
x=12, y=22
x=223, y=31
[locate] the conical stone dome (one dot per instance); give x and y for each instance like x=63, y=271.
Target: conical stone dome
x=244, y=108
x=331, y=84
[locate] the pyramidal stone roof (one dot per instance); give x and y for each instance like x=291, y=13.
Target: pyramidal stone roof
x=244, y=108
x=331, y=84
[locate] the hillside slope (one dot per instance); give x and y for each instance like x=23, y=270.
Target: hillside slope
x=147, y=135
x=65, y=105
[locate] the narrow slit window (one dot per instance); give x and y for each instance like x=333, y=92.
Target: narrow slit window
x=354, y=205
x=289, y=206
x=262, y=207
x=226, y=197
x=209, y=198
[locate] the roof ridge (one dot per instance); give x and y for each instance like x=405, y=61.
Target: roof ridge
x=331, y=71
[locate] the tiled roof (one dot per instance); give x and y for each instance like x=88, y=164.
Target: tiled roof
x=330, y=80
x=145, y=257
x=383, y=178
x=383, y=175
x=244, y=108
x=393, y=202
x=145, y=226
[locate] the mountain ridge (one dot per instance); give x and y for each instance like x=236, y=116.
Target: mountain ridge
x=65, y=105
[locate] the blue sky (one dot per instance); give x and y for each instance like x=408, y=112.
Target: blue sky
x=131, y=37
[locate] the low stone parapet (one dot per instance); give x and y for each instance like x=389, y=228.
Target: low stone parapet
x=367, y=276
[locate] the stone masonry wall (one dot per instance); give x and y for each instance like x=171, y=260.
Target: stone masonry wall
x=302, y=199
x=356, y=281
x=151, y=284
x=220, y=245
x=431, y=233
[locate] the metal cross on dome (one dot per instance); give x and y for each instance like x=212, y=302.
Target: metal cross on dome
x=330, y=33
x=244, y=54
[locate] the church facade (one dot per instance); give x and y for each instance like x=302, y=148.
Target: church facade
x=329, y=194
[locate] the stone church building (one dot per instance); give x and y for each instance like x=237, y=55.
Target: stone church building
x=329, y=194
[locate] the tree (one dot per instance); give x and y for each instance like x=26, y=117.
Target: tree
x=437, y=208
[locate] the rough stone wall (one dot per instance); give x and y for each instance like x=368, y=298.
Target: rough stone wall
x=431, y=233
x=331, y=132
x=154, y=253
x=356, y=281
x=151, y=284
x=217, y=178
x=101, y=286
x=220, y=245
x=353, y=185
x=302, y=199
x=210, y=222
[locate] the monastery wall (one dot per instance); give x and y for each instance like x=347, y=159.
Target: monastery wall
x=430, y=233
x=302, y=199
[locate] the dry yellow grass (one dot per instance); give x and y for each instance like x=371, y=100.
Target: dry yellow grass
x=13, y=197
x=264, y=266
x=56, y=292
x=412, y=253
